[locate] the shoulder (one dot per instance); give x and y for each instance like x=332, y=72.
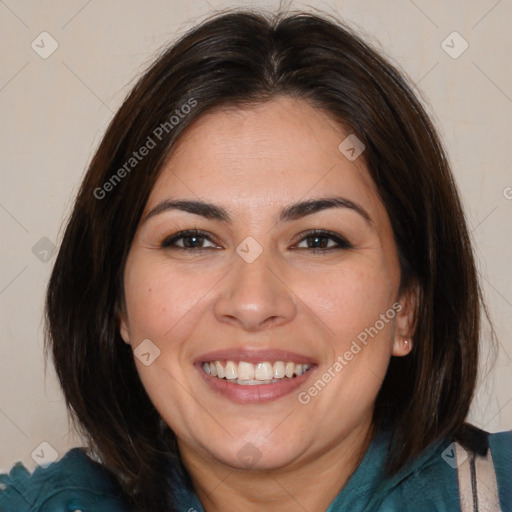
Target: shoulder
x=73, y=482
x=431, y=482
x=501, y=451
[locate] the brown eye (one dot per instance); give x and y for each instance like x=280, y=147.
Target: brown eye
x=318, y=240
x=191, y=240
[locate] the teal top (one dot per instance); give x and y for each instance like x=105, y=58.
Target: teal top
x=428, y=484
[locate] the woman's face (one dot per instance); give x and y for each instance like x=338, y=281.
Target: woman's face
x=255, y=295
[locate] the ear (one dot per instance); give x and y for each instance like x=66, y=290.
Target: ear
x=405, y=321
x=124, y=330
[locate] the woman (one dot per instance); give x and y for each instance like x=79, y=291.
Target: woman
x=266, y=298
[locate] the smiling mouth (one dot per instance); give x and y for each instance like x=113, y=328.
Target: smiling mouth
x=249, y=374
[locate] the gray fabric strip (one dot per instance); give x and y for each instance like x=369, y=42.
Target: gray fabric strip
x=478, y=490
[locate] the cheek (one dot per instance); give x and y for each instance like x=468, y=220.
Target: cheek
x=162, y=307
x=350, y=299
x=356, y=306
x=161, y=300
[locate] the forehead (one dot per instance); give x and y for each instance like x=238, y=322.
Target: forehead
x=282, y=150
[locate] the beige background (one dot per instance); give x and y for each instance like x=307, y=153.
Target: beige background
x=54, y=111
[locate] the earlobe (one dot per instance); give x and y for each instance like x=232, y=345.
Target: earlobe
x=405, y=324
x=402, y=347
x=123, y=330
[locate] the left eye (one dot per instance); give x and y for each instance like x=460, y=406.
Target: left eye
x=319, y=240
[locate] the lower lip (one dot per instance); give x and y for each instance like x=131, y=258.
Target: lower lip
x=254, y=394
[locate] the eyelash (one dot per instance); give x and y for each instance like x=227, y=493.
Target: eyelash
x=169, y=242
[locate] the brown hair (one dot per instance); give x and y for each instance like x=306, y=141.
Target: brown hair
x=241, y=59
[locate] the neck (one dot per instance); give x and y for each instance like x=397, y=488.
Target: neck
x=311, y=484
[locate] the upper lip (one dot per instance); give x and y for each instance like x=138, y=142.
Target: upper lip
x=254, y=356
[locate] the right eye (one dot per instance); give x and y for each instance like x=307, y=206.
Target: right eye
x=192, y=239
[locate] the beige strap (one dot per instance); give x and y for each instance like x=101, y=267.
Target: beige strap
x=478, y=489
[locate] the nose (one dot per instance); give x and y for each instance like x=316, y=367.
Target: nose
x=253, y=296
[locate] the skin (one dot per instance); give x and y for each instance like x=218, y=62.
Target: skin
x=254, y=162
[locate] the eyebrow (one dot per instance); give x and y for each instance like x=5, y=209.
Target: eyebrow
x=289, y=213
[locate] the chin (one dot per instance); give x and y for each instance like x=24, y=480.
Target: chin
x=256, y=456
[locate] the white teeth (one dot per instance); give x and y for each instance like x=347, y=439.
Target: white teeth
x=220, y=370
x=249, y=374
x=279, y=371
x=263, y=371
x=245, y=371
x=255, y=382
x=230, y=371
